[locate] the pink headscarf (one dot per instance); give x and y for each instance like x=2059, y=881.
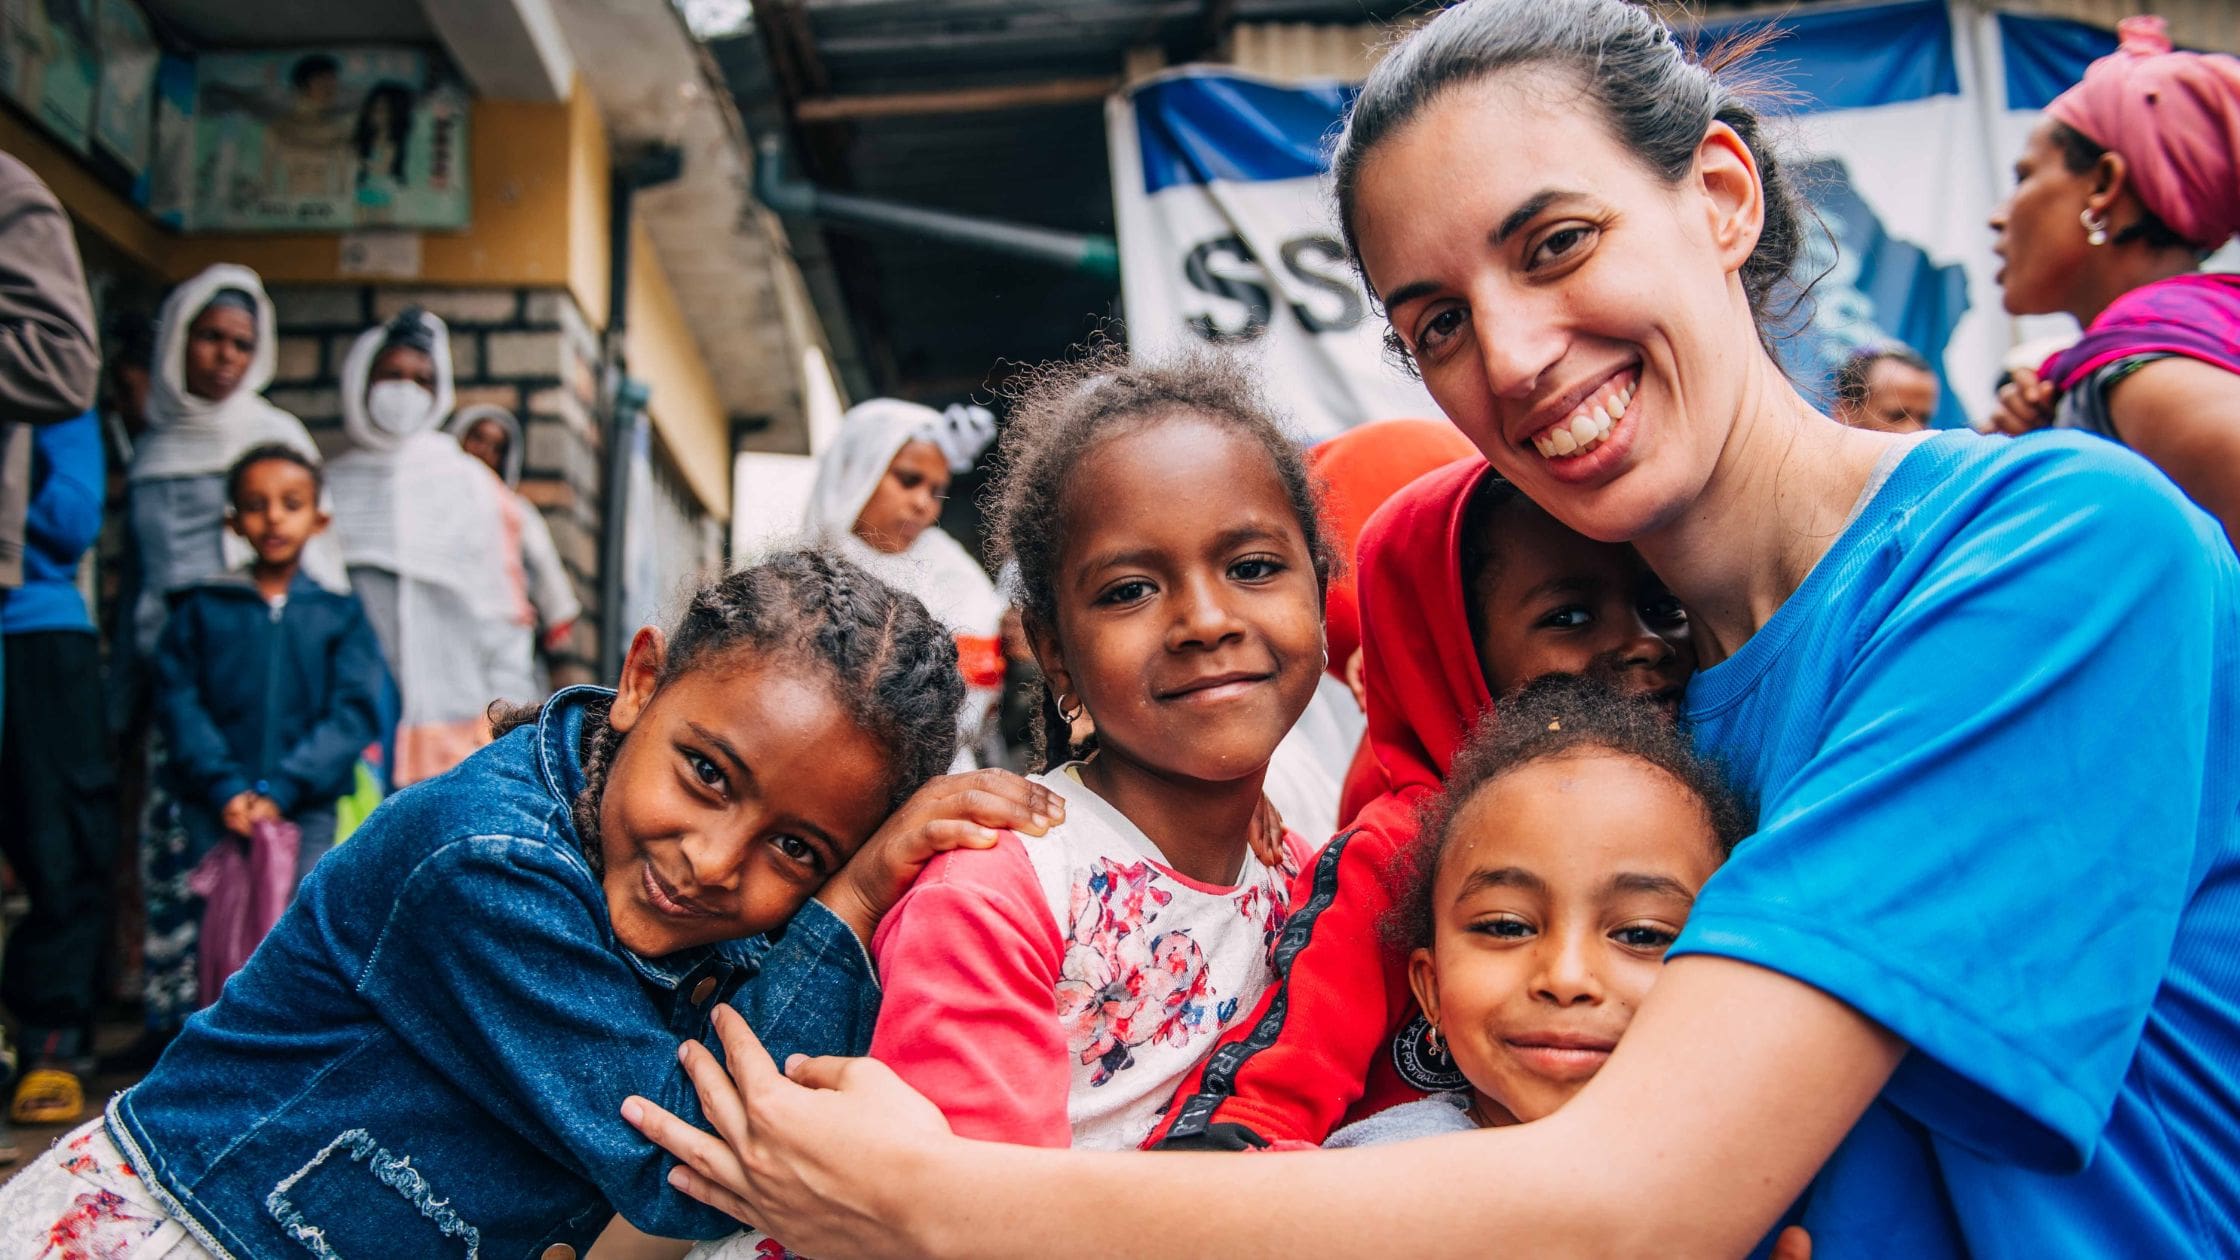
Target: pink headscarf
x=2175, y=118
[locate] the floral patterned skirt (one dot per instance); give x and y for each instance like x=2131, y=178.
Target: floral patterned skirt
x=83, y=1201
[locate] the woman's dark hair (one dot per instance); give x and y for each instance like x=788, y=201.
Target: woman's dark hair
x=281, y=451
x=1552, y=717
x=397, y=129
x=2079, y=154
x=1858, y=366
x=1063, y=410
x=891, y=665
x=1658, y=101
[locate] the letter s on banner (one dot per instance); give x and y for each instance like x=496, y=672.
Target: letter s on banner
x=1226, y=239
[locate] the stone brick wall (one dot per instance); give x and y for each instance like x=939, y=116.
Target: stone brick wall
x=527, y=350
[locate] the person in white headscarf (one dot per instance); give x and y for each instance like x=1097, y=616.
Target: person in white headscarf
x=215, y=351
x=877, y=501
x=492, y=434
x=433, y=542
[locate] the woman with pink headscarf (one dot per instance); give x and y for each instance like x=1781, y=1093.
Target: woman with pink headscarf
x=2130, y=181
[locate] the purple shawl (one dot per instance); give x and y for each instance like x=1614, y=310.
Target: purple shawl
x=2196, y=315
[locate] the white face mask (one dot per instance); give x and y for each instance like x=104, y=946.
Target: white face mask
x=400, y=408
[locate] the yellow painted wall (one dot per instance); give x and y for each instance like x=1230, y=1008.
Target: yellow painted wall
x=590, y=179
x=685, y=408
x=540, y=186
x=519, y=181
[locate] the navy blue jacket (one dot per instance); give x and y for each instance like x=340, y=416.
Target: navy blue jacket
x=279, y=702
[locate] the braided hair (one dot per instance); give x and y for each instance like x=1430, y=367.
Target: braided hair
x=1063, y=411
x=892, y=667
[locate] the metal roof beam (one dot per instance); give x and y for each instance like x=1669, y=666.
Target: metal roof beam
x=956, y=100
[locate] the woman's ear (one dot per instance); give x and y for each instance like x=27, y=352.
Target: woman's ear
x=1423, y=981
x=1734, y=197
x=2111, y=178
x=641, y=674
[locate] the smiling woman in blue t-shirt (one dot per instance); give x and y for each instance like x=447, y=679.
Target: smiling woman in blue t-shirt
x=1978, y=969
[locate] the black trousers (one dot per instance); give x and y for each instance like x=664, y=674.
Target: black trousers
x=58, y=827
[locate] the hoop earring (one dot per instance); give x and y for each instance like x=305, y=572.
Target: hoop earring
x=1075, y=715
x=2095, y=228
x=1436, y=1039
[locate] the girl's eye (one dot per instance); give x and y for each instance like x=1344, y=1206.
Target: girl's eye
x=1255, y=569
x=1439, y=330
x=1645, y=936
x=706, y=771
x=1505, y=927
x=1569, y=617
x=1559, y=244
x=1125, y=592
x=1665, y=611
x=797, y=849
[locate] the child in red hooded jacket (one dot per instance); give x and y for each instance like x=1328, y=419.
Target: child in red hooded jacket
x=1468, y=590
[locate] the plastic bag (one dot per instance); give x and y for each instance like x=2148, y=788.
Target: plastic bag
x=245, y=885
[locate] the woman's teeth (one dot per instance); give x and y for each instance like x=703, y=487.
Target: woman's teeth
x=1587, y=426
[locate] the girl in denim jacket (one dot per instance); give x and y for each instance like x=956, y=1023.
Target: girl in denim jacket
x=428, y=1054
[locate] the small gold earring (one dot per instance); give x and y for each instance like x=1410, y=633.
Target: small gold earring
x=2095, y=228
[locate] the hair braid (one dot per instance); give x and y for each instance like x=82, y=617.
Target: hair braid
x=891, y=666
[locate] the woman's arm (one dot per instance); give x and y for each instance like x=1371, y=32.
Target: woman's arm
x=1732, y=1087
x=2184, y=416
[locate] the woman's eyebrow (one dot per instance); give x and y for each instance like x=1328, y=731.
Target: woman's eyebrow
x=1534, y=206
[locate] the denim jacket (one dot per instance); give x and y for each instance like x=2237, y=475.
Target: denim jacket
x=427, y=1056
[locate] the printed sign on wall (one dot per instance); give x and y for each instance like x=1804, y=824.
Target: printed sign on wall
x=328, y=139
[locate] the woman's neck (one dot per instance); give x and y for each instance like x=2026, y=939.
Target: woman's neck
x=1202, y=828
x=2127, y=267
x=1777, y=498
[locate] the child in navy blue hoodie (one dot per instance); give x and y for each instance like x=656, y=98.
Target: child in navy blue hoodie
x=268, y=685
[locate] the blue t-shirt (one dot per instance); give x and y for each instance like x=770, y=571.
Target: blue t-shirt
x=1991, y=739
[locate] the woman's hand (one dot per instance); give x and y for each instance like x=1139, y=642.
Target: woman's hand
x=2025, y=404
x=827, y=1162
x=955, y=811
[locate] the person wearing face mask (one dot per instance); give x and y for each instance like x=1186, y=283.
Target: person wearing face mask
x=215, y=351
x=433, y=542
x=877, y=501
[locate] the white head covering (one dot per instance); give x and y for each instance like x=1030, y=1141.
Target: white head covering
x=460, y=424
x=190, y=436
x=416, y=505
x=936, y=568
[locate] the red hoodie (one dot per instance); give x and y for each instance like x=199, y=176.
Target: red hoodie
x=1339, y=1036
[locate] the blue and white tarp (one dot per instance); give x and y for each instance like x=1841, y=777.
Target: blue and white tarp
x=1903, y=122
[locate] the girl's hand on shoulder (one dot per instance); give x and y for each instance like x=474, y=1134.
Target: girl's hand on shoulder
x=955, y=811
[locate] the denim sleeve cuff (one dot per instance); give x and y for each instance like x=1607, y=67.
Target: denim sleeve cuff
x=831, y=941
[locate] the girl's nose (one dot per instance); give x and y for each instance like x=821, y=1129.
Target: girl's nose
x=1203, y=615
x=1566, y=975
